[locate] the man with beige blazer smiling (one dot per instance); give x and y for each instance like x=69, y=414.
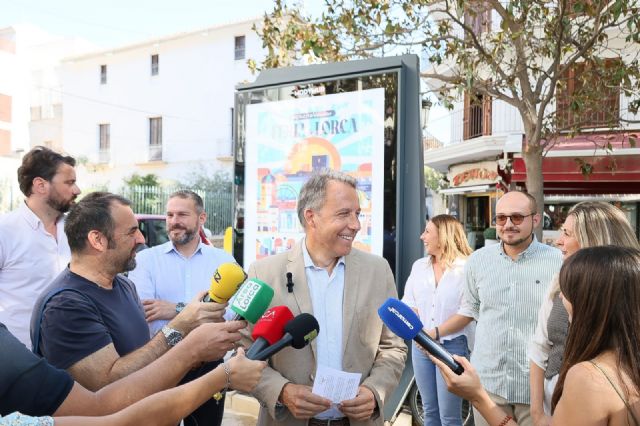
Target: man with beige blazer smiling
x=343, y=288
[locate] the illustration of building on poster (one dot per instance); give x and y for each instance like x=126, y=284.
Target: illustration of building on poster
x=287, y=140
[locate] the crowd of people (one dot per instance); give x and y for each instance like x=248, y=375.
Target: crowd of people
x=552, y=333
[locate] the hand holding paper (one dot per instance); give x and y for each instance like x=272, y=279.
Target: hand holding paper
x=361, y=407
x=301, y=402
x=337, y=386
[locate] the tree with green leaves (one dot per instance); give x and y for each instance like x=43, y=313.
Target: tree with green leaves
x=142, y=180
x=201, y=178
x=522, y=52
x=144, y=192
x=433, y=179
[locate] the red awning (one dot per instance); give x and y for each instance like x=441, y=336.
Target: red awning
x=611, y=174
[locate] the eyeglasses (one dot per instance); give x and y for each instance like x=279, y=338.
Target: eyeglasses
x=516, y=218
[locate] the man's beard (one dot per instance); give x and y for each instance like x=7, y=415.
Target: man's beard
x=121, y=264
x=518, y=241
x=57, y=203
x=127, y=265
x=189, y=234
x=130, y=265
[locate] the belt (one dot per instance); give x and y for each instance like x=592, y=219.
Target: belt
x=329, y=422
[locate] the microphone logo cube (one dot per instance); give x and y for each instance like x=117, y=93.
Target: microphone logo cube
x=252, y=300
x=401, y=317
x=311, y=335
x=246, y=294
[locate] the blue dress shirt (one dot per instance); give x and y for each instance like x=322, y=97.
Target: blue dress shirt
x=326, y=293
x=163, y=273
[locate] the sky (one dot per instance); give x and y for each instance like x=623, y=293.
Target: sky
x=119, y=22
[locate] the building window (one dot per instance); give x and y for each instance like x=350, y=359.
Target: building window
x=5, y=108
x=155, y=64
x=103, y=74
x=476, y=116
x=155, y=139
x=36, y=113
x=239, y=47
x=5, y=142
x=575, y=109
x=233, y=129
x=104, y=148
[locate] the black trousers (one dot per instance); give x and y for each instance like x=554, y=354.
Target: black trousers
x=210, y=413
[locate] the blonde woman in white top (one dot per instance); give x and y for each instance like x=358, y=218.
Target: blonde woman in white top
x=434, y=291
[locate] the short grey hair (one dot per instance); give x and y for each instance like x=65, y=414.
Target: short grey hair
x=314, y=191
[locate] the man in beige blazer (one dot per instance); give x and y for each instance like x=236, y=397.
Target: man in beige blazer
x=343, y=288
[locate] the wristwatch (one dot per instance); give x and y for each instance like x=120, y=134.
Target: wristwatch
x=180, y=306
x=171, y=335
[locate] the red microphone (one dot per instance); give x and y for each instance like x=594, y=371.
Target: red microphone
x=269, y=329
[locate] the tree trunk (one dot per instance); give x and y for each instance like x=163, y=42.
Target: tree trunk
x=532, y=156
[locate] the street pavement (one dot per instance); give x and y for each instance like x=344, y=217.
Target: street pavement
x=232, y=418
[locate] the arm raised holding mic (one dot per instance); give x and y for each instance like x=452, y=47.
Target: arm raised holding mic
x=404, y=322
x=196, y=313
x=225, y=281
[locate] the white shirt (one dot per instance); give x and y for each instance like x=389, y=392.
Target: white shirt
x=435, y=304
x=30, y=258
x=540, y=345
x=326, y=292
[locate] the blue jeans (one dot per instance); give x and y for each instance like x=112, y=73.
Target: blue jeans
x=441, y=408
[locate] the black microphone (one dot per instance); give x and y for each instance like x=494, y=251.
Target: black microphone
x=297, y=333
x=289, y=282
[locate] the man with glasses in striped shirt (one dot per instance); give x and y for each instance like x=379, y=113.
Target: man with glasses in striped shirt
x=505, y=285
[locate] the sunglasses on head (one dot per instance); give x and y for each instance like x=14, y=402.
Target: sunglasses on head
x=516, y=218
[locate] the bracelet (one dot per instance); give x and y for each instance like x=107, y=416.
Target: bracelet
x=227, y=371
x=438, y=338
x=505, y=421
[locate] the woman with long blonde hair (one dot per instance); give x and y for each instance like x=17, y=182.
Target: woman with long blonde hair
x=434, y=290
x=588, y=224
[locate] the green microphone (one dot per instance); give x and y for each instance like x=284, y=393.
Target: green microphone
x=252, y=300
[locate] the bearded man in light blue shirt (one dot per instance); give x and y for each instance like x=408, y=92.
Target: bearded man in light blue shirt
x=170, y=275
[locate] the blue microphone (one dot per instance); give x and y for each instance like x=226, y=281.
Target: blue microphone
x=404, y=322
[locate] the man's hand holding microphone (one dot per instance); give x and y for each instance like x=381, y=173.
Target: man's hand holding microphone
x=209, y=306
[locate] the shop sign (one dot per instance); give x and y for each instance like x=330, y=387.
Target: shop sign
x=473, y=174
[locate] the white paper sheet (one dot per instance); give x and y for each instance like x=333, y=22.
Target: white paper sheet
x=337, y=386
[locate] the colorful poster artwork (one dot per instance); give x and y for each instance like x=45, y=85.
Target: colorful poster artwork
x=287, y=140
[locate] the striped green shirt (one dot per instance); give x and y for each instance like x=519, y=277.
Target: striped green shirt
x=504, y=296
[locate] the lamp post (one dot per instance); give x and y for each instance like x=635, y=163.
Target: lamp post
x=425, y=106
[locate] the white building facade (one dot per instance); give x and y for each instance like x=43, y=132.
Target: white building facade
x=164, y=106
x=30, y=98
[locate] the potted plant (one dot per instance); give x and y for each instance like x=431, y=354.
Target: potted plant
x=490, y=236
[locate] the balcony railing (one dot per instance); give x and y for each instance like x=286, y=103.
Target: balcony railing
x=155, y=152
x=104, y=156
